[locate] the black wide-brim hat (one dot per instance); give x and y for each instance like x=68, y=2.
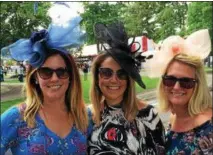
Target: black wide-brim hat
x=113, y=39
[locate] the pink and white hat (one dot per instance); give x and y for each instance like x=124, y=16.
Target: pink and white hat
x=197, y=44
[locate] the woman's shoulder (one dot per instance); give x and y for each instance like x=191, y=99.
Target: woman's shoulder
x=204, y=117
x=146, y=109
x=11, y=112
x=148, y=115
x=208, y=114
x=12, y=116
x=142, y=105
x=205, y=121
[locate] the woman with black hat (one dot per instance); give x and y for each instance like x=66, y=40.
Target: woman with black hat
x=123, y=123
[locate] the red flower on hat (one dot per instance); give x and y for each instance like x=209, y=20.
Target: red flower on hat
x=175, y=49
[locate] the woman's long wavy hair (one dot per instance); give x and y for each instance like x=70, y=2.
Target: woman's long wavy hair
x=201, y=98
x=73, y=98
x=130, y=102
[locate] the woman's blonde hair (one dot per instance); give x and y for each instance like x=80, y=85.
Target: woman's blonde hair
x=73, y=98
x=130, y=101
x=201, y=97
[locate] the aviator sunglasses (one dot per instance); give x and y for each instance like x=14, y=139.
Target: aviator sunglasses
x=46, y=73
x=107, y=73
x=184, y=82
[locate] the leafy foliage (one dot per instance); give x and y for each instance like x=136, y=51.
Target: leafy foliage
x=18, y=20
x=158, y=19
x=99, y=12
x=199, y=16
x=140, y=17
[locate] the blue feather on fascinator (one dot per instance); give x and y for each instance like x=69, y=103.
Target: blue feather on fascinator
x=55, y=37
x=69, y=35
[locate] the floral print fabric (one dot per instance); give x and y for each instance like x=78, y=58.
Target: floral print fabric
x=116, y=136
x=39, y=140
x=198, y=141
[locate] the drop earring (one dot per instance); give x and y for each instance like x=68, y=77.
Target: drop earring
x=36, y=82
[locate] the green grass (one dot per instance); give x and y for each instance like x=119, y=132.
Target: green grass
x=208, y=70
x=7, y=104
x=86, y=87
x=150, y=84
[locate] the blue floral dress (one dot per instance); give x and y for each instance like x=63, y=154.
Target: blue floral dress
x=198, y=141
x=39, y=140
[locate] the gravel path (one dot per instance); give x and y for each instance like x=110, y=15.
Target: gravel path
x=10, y=92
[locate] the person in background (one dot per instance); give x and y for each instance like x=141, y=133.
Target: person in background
x=85, y=70
x=1, y=74
x=89, y=64
x=123, y=123
x=21, y=73
x=5, y=70
x=26, y=66
x=183, y=91
x=53, y=119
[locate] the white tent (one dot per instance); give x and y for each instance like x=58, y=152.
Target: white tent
x=92, y=49
x=89, y=50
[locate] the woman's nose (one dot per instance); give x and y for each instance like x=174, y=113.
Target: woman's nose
x=177, y=85
x=54, y=76
x=114, y=77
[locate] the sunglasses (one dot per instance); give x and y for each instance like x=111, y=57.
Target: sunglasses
x=107, y=73
x=46, y=73
x=184, y=82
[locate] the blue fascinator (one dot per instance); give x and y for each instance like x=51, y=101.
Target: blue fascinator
x=57, y=37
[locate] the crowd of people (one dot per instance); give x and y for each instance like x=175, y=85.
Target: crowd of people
x=18, y=72
x=54, y=119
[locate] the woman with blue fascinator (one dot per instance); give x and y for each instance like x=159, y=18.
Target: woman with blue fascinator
x=123, y=123
x=53, y=119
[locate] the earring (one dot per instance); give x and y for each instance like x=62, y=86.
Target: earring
x=36, y=82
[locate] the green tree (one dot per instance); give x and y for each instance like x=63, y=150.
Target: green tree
x=139, y=17
x=10, y=62
x=199, y=16
x=99, y=12
x=171, y=19
x=19, y=21
x=158, y=19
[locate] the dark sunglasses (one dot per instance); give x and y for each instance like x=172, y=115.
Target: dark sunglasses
x=184, y=82
x=107, y=73
x=46, y=73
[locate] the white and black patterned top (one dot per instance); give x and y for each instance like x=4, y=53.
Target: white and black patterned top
x=117, y=136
